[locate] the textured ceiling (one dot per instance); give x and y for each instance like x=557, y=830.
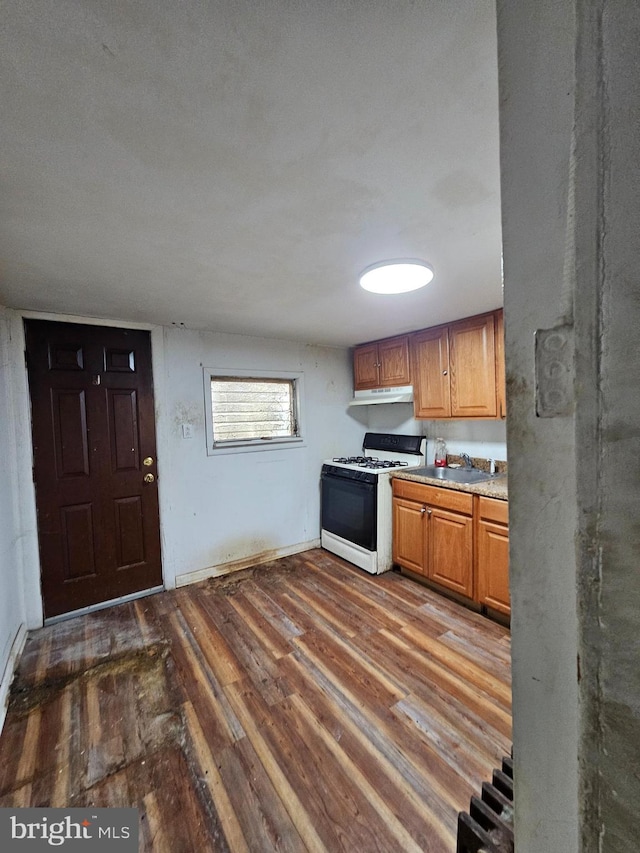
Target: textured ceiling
x=234, y=164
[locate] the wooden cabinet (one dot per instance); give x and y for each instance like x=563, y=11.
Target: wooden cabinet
x=455, y=369
x=433, y=534
x=409, y=535
x=365, y=367
x=382, y=364
x=455, y=539
x=492, y=554
x=472, y=368
x=451, y=550
x=500, y=366
x=430, y=357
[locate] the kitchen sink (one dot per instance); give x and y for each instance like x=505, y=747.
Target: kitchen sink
x=455, y=475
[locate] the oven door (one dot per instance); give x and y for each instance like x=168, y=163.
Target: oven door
x=349, y=508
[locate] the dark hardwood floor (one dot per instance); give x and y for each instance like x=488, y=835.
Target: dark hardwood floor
x=301, y=705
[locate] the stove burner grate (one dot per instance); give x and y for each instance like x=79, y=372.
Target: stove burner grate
x=377, y=464
x=369, y=462
x=355, y=460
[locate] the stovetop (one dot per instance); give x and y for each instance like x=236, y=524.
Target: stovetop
x=385, y=451
x=370, y=462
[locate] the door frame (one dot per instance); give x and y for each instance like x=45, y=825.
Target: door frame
x=26, y=497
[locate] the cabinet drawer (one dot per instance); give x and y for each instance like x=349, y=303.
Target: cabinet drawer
x=493, y=510
x=432, y=495
x=410, y=490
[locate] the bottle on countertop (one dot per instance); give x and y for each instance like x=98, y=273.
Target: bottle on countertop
x=440, y=460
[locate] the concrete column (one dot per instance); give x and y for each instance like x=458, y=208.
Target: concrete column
x=570, y=130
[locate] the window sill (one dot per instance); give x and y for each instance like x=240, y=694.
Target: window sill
x=257, y=444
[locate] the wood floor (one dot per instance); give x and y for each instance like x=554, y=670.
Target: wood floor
x=301, y=705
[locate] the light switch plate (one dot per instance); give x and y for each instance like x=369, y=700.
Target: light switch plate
x=187, y=430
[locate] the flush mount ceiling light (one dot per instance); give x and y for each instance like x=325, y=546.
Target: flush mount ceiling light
x=399, y=276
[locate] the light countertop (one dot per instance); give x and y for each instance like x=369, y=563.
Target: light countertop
x=489, y=489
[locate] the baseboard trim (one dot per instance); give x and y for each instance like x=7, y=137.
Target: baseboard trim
x=7, y=676
x=237, y=565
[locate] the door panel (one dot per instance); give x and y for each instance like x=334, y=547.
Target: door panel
x=493, y=566
x=473, y=368
x=393, y=358
x=70, y=432
x=450, y=551
x=119, y=361
x=93, y=422
x=129, y=532
x=366, y=373
x=77, y=541
x=123, y=418
x=66, y=357
x=431, y=392
x=409, y=535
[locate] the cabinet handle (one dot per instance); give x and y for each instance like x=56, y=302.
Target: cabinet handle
x=428, y=512
x=423, y=510
x=444, y=372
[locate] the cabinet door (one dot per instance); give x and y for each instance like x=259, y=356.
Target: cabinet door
x=473, y=368
x=365, y=367
x=493, y=565
x=500, y=371
x=430, y=357
x=393, y=358
x=409, y=535
x=450, y=550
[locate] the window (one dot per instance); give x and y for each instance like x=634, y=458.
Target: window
x=251, y=409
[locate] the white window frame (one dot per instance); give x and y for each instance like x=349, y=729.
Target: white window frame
x=243, y=445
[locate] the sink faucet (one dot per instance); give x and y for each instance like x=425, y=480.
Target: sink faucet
x=467, y=461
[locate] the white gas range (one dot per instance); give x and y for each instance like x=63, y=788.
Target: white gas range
x=356, y=498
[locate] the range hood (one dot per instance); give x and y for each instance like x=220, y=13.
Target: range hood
x=401, y=394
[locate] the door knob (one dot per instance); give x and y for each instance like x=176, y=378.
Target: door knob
x=149, y=478
x=148, y=460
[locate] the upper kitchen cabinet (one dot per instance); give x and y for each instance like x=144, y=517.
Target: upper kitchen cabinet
x=382, y=364
x=472, y=368
x=431, y=388
x=455, y=371
x=500, y=365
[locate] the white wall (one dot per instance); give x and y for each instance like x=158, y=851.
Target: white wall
x=227, y=507
x=483, y=439
x=213, y=509
x=12, y=610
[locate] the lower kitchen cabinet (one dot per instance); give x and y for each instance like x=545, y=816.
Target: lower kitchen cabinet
x=492, y=554
x=455, y=539
x=451, y=551
x=409, y=535
x=433, y=534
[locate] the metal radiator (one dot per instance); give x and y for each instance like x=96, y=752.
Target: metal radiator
x=488, y=827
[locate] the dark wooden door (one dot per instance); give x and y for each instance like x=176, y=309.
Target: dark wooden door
x=94, y=444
